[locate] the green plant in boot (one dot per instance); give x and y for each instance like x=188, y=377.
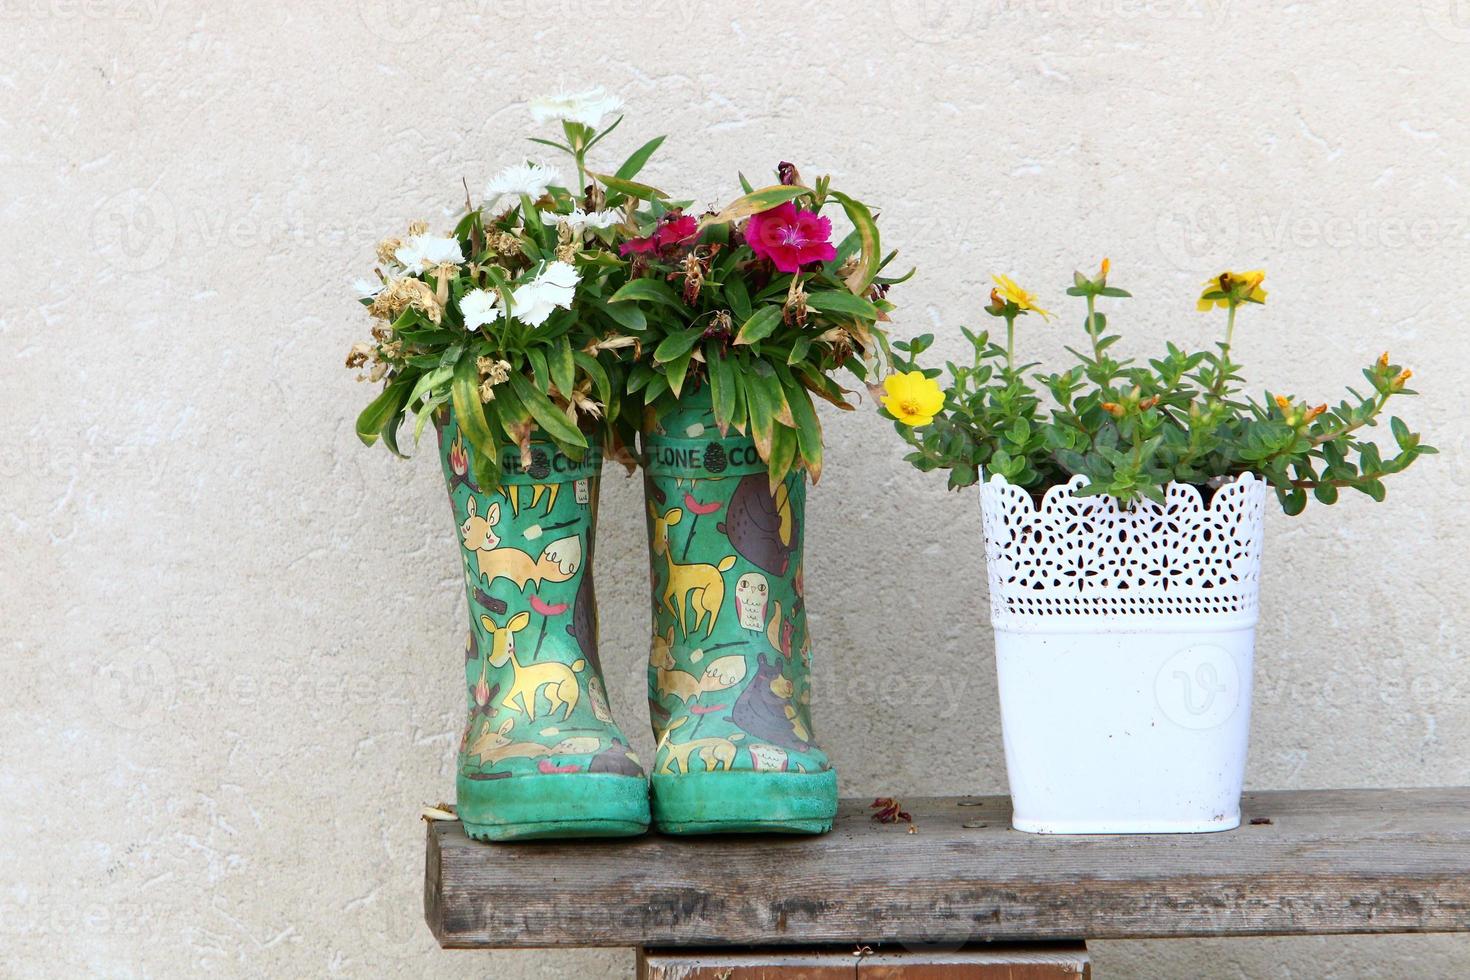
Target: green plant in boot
x=744, y=314
x=540, y=755
x=497, y=330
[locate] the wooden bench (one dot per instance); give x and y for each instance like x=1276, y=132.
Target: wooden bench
x=870, y=895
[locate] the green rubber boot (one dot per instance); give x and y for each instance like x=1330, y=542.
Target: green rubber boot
x=541, y=755
x=729, y=673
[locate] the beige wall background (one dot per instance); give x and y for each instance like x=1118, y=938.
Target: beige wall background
x=231, y=634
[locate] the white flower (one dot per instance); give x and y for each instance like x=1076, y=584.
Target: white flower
x=532, y=303
x=367, y=288
x=586, y=108
x=422, y=252
x=530, y=179
x=579, y=220
x=479, y=307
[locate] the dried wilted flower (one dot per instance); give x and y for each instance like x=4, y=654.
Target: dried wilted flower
x=493, y=370
x=693, y=277
x=418, y=228
x=794, y=310
x=400, y=294
x=616, y=343
x=890, y=810
x=503, y=243
x=358, y=356
x=787, y=174
x=567, y=253
x=387, y=247
x=720, y=327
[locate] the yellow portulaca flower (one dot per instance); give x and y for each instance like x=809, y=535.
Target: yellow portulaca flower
x=1012, y=293
x=1232, y=287
x=912, y=398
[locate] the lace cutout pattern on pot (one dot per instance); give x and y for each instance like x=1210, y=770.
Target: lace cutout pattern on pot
x=1086, y=557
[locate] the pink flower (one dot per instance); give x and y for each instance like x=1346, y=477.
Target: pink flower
x=673, y=231
x=676, y=230
x=790, y=238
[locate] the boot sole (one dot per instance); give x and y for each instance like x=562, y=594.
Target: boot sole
x=551, y=806
x=743, y=802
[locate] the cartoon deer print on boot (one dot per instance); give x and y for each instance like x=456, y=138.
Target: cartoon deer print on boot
x=558, y=561
x=554, y=681
x=698, y=584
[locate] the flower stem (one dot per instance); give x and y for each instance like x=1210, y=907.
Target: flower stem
x=1222, y=365
x=1092, y=326
x=1011, y=343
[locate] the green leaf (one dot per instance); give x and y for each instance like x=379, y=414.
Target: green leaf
x=676, y=344
x=836, y=301
x=550, y=418
x=721, y=383
x=629, y=316
x=539, y=369
x=640, y=156
x=738, y=298
x=676, y=370
x=464, y=392
x=762, y=412
x=783, y=455
x=808, y=428
x=563, y=367
x=649, y=290
x=755, y=202
x=760, y=325
x=592, y=367
x=867, y=229
x=631, y=188
x=374, y=419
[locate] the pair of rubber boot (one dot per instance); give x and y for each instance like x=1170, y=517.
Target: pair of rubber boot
x=729, y=665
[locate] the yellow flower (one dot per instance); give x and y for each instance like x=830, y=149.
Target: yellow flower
x=1233, y=288
x=912, y=398
x=1104, y=269
x=1012, y=293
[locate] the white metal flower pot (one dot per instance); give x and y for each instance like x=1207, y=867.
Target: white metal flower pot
x=1123, y=648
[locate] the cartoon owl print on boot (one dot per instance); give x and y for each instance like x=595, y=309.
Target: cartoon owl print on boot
x=761, y=525
x=764, y=708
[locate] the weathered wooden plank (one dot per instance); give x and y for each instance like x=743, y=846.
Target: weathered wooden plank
x=1034, y=961
x=1329, y=861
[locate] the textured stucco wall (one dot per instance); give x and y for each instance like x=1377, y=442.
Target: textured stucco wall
x=232, y=635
